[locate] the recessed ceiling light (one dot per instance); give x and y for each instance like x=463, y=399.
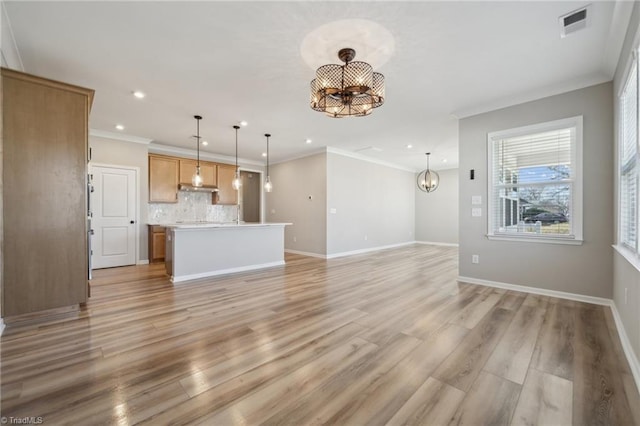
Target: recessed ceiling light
x=205, y=143
x=264, y=154
x=444, y=160
x=119, y=127
x=308, y=141
x=243, y=123
x=409, y=146
x=138, y=94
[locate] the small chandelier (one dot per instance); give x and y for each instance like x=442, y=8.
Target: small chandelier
x=268, y=187
x=196, y=179
x=428, y=180
x=352, y=89
x=237, y=182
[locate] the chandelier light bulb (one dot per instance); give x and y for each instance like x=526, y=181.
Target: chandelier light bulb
x=428, y=180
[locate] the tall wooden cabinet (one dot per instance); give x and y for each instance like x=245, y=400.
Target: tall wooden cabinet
x=163, y=179
x=44, y=193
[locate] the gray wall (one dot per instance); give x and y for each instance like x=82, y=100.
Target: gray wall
x=293, y=182
x=585, y=269
x=437, y=212
x=374, y=205
x=625, y=275
x=120, y=153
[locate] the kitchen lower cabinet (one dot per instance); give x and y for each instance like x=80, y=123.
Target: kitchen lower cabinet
x=157, y=236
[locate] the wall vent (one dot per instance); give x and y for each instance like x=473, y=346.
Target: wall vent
x=575, y=21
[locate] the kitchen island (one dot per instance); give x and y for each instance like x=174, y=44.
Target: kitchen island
x=198, y=250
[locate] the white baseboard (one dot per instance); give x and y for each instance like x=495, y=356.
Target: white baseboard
x=632, y=359
x=540, y=291
x=629, y=353
x=348, y=253
x=434, y=243
x=305, y=253
x=143, y=262
x=368, y=250
x=1, y=326
x=181, y=278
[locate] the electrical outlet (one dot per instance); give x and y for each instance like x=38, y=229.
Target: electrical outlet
x=295, y=239
x=475, y=258
x=366, y=237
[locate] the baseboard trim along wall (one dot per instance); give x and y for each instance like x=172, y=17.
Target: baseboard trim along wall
x=305, y=253
x=143, y=262
x=182, y=278
x=632, y=359
x=434, y=243
x=367, y=250
x=1, y=326
x=348, y=253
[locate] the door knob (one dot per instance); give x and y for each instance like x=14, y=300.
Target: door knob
x=132, y=222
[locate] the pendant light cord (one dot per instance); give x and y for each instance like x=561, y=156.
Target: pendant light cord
x=236, y=127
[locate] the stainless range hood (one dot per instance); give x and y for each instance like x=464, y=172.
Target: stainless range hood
x=203, y=188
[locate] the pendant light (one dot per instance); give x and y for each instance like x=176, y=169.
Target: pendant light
x=196, y=179
x=428, y=180
x=237, y=183
x=268, y=187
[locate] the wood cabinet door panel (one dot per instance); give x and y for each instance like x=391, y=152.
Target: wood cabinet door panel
x=207, y=171
x=226, y=193
x=163, y=179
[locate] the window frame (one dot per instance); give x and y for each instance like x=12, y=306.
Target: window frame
x=576, y=188
x=632, y=254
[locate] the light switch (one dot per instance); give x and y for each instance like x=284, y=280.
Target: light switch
x=476, y=199
x=333, y=210
x=476, y=212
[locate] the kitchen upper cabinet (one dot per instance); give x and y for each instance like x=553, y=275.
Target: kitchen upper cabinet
x=208, y=171
x=226, y=194
x=45, y=256
x=163, y=179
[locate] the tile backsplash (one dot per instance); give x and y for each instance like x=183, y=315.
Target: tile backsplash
x=191, y=207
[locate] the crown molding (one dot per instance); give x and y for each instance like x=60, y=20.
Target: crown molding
x=366, y=158
x=156, y=148
x=119, y=136
x=533, y=95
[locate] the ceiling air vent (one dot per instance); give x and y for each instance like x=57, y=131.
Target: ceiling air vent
x=575, y=21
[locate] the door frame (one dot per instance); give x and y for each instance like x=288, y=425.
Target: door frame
x=263, y=214
x=137, y=203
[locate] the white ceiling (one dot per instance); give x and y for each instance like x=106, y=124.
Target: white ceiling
x=232, y=61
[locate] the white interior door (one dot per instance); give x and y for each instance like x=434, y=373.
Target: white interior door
x=114, y=217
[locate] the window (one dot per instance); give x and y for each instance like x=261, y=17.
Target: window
x=628, y=161
x=535, y=182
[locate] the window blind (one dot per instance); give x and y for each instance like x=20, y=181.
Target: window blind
x=628, y=216
x=533, y=180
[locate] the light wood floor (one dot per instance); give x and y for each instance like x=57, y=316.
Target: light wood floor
x=383, y=338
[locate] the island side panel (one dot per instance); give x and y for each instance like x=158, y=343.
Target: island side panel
x=202, y=252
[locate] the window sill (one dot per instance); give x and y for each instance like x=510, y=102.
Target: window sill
x=629, y=255
x=542, y=240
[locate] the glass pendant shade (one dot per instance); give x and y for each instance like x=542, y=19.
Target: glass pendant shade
x=268, y=186
x=428, y=180
x=196, y=179
x=236, y=183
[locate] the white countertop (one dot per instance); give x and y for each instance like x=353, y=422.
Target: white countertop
x=200, y=225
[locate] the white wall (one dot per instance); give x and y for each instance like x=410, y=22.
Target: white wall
x=437, y=212
x=374, y=205
x=121, y=153
x=9, y=55
x=586, y=269
x=626, y=276
x=293, y=183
